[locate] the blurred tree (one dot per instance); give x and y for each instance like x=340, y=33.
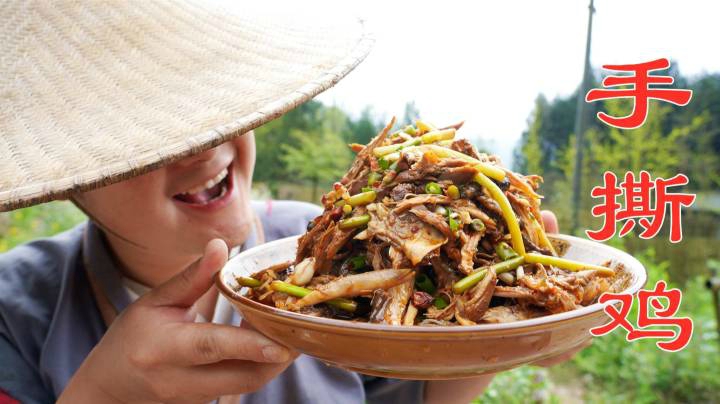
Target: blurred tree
x=530, y=156
x=410, y=115
x=558, y=120
x=317, y=159
x=650, y=147
x=364, y=129
x=309, y=129
x=269, y=165
x=673, y=139
x=332, y=120
x=702, y=147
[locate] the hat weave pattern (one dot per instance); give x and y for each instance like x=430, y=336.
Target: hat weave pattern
x=96, y=92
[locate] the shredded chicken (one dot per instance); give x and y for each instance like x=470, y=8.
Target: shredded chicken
x=415, y=239
x=426, y=199
x=473, y=306
x=467, y=252
x=506, y=314
x=354, y=285
x=425, y=230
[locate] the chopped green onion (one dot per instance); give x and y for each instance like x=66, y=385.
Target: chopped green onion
x=249, y=282
x=453, y=192
x=410, y=143
x=362, y=198
x=477, y=225
x=410, y=130
x=434, y=136
x=490, y=170
x=392, y=157
x=366, y=189
x=454, y=225
x=389, y=177
x=504, y=251
x=353, y=222
x=373, y=178
x=566, y=264
x=384, y=164
x=357, y=262
x=424, y=126
x=471, y=280
x=507, y=212
x=390, y=173
x=383, y=150
x=424, y=283
x=433, y=188
x=440, y=302
x=299, y=291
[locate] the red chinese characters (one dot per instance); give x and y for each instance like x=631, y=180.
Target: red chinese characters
x=639, y=205
x=641, y=92
x=677, y=331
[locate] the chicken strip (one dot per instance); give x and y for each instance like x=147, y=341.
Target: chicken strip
x=354, y=285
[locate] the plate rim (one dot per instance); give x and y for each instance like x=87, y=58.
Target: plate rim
x=349, y=326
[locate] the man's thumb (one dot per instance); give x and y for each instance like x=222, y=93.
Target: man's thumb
x=185, y=288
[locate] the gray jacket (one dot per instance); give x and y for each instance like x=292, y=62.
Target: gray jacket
x=49, y=320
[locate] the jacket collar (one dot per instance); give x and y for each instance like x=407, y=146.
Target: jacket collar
x=102, y=266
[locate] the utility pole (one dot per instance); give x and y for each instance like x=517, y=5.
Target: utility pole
x=713, y=283
x=580, y=126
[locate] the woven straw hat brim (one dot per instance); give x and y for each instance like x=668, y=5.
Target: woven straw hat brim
x=97, y=92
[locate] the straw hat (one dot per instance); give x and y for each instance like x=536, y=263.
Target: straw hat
x=96, y=92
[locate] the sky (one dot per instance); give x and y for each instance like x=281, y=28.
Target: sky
x=486, y=62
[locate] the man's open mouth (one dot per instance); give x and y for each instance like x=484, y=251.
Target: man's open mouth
x=212, y=190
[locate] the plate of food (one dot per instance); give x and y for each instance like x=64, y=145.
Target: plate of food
x=429, y=261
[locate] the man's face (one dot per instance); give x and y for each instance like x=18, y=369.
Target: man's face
x=177, y=209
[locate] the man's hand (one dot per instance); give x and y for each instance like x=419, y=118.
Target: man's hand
x=550, y=222
x=154, y=352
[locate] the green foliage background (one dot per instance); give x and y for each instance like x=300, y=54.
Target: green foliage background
x=673, y=140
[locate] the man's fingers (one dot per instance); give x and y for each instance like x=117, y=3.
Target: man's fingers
x=234, y=377
x=190, y=284
x=203, y=343
x=550, y=222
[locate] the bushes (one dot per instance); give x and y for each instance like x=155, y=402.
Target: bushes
x=44, y=220
x=640, y=372
x=526, y=384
